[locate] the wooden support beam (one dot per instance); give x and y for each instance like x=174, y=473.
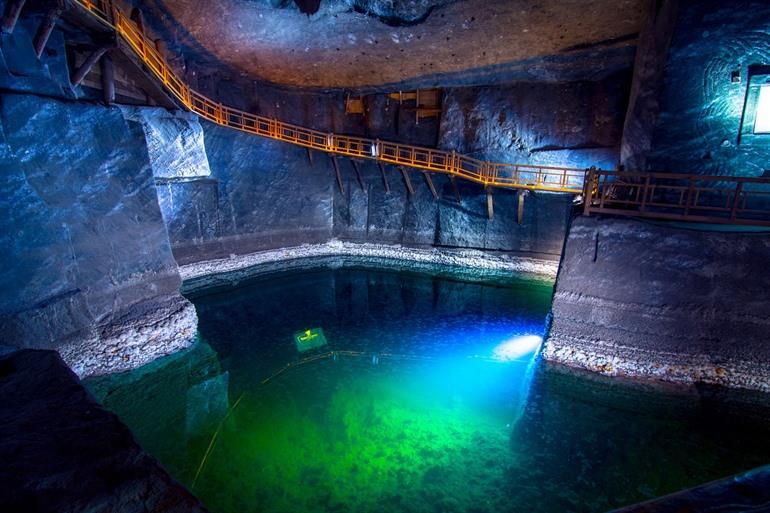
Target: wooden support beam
x=108, y=79
x=46, y=27
x=520, y=206
x=137, y=17
x=384, y=177
x=310, y=156
x=358, y=174
x=490, y=204
x=406, y=181
x=84, y=68
x=453, y=181
x=429, y=181
x=11, y=15
x=339, y=175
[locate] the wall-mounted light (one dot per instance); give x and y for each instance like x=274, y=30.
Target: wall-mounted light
x=762, y=115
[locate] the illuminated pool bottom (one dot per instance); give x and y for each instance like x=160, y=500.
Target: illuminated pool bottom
x=425, y=398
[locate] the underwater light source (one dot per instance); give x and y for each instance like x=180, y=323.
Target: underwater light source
x=762, y=118
x=516, y=347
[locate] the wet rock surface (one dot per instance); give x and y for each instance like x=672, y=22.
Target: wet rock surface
x=63, y=453
x=658, y=302
x=88, y=267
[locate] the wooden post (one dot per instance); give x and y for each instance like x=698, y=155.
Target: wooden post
x=453, y=181
x=520, y=206
x=588, y=190
x=310, y=156
x=108, y=79
x=46, y=27
x=430, y=184
x=358, y=174
x=738, y=192
x=84, y=68
x=490, y=204
x=384, y=178
x=339, y=175
x=138, y=19
x=11, y=15
x=406, y=181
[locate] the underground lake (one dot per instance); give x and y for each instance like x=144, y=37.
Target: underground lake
x=344, y=385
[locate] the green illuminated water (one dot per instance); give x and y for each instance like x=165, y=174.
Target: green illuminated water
x=434, y=423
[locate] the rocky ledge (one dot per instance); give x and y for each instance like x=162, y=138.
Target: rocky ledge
x=211, y=272
x=664, y=303
x=64, y=453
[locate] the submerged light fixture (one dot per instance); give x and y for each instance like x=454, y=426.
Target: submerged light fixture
x=516, y=347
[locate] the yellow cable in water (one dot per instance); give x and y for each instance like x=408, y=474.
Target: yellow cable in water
x=213, y=439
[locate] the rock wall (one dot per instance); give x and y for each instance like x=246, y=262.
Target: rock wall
x=649, y=70
x=716, y=63
x=663, y=303
x=576, y=124
x=264, y=194
x=64, y=453
x=88, y=269
x=261, y=195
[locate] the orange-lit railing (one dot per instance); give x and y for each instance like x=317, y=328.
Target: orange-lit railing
x=679, y=197
x=544, y=178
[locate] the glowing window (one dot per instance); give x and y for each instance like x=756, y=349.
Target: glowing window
x=762, y=120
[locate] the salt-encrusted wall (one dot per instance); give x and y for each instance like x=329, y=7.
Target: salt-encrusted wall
x=658, y=302
x=575, y=123
x=87, y=267
x=717, y=60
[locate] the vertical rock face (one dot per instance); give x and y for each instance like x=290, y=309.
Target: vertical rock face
x=649, y=69
x=570, y=124
x=374, y=215
x=261, y=195
x=657, y=302
x=174, y=142
x=716, y=64
x=88, y=267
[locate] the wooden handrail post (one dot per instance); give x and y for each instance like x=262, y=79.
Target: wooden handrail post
x=108, y=79
x=11, y=15
x=738, y=191
x=645, y=193
x=92, y=59
x=47, y=26
x=453, y=163
x=588, y=190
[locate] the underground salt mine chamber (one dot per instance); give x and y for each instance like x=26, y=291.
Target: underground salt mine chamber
x=452, y=256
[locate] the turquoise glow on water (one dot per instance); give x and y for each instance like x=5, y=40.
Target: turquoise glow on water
x=427, y=397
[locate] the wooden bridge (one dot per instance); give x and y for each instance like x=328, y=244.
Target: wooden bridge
x=681, y=197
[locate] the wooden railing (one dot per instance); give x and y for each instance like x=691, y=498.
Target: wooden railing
x=515, y=176
x=679, y=197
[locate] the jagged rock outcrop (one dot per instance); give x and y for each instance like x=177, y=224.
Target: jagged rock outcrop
x=174, y=142
x=63, y=453
x=663, y=303
x=88, y=268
